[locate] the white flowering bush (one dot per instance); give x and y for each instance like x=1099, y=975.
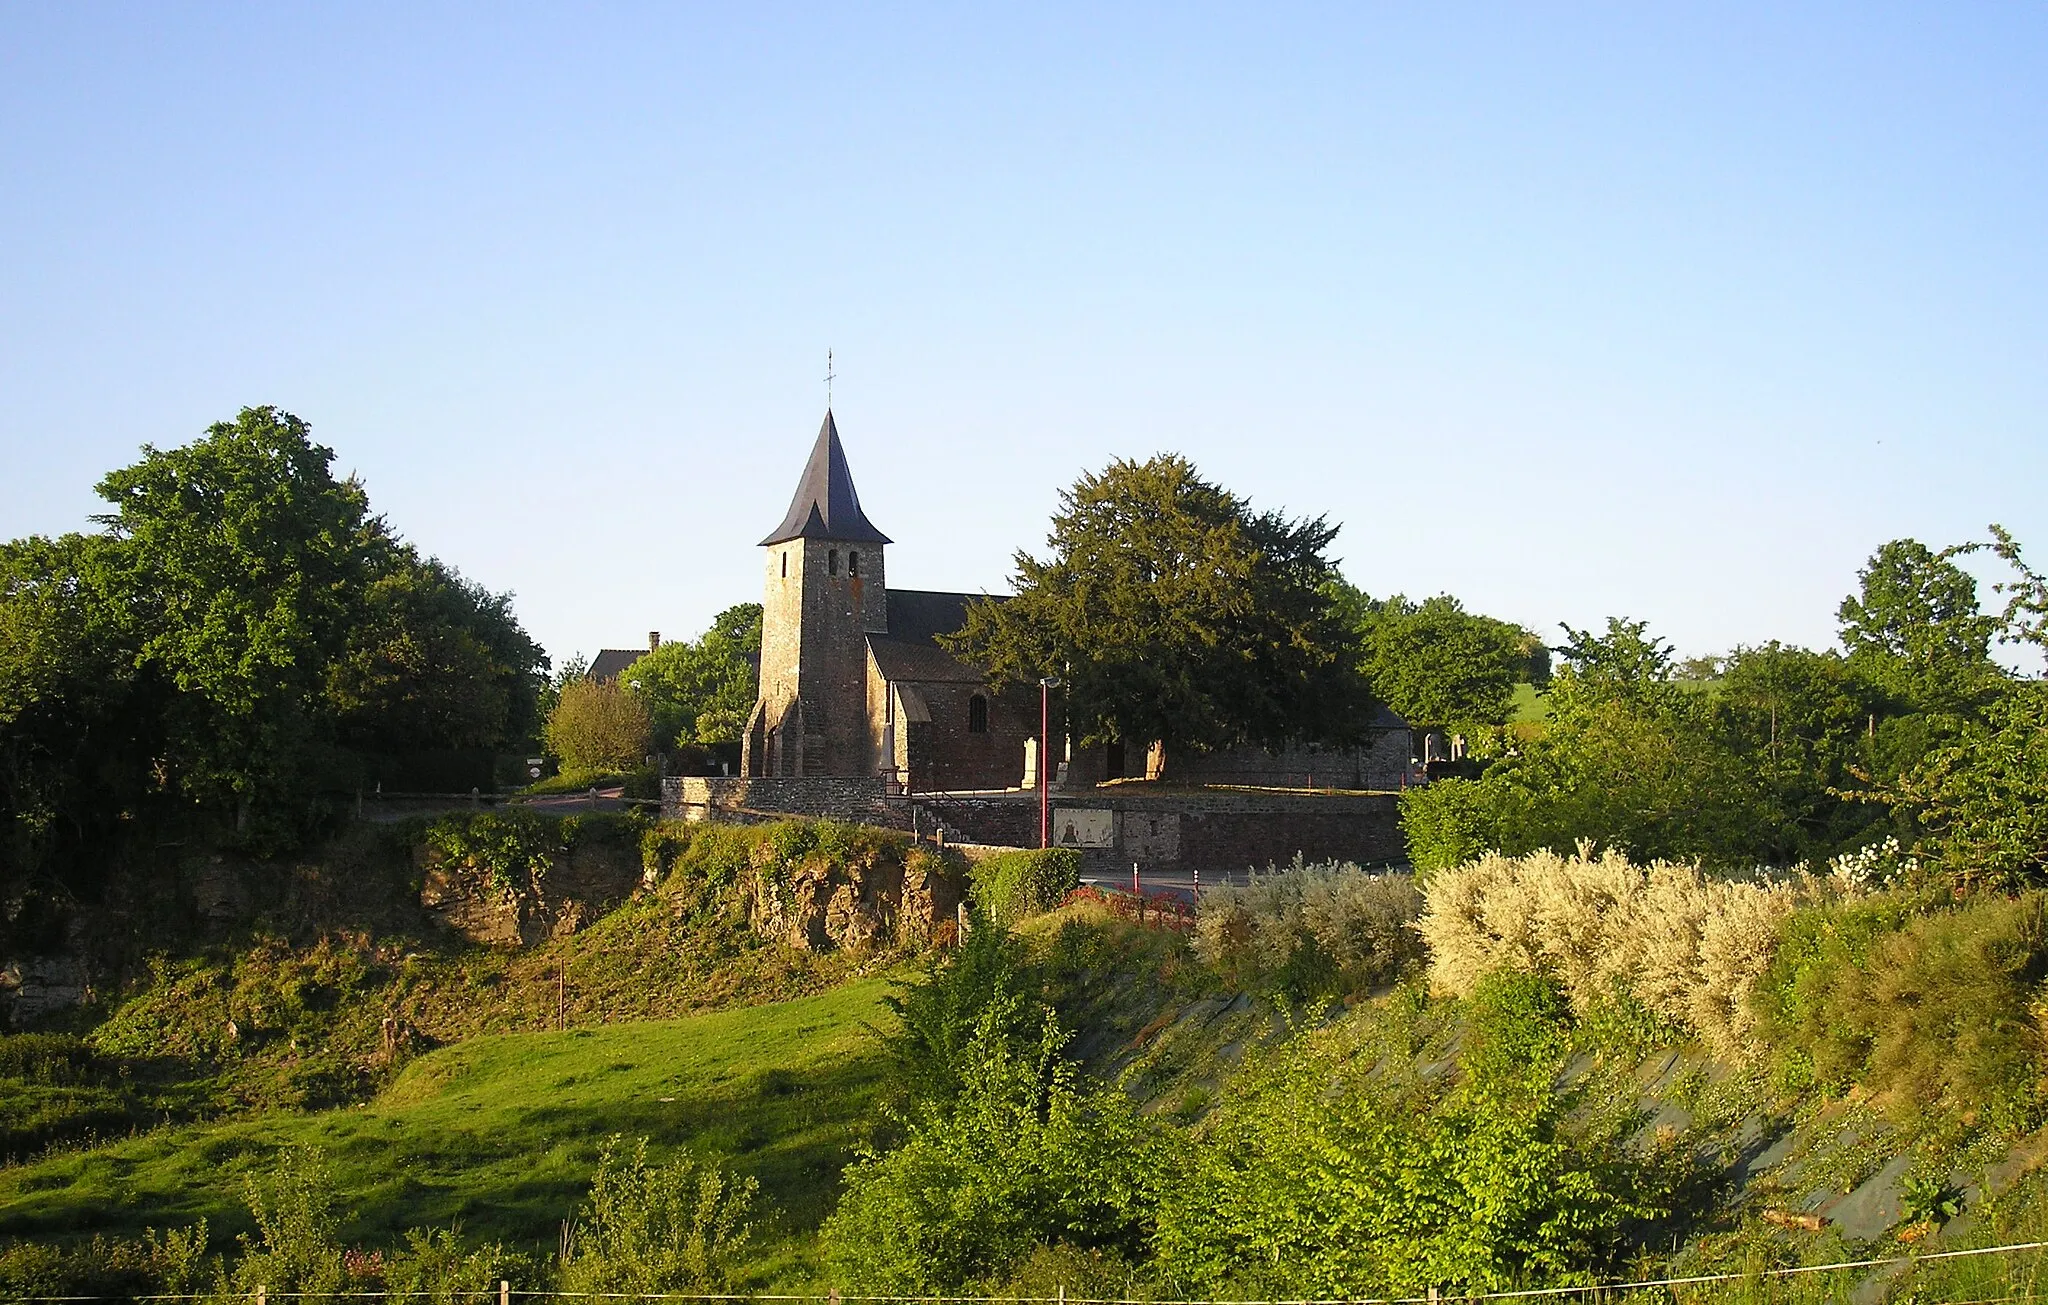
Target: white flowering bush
x=1874, y=866
x=1689, y=948
x=1312, y=929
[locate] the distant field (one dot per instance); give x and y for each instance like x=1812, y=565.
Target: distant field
x=1527, y=708
x=501, y=1133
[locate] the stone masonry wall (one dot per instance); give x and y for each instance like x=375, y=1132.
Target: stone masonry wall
x=864, y=800
x=1217, y=833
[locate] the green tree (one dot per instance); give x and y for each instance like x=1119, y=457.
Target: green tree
x=1914, y=627
x=597, y=726
x=1629, y=759
x=1174, y=613
x=242, y=560
x=1802, y=720
x=433, y=661
x=240, y=633
x=702, y=691
x=1982, y=801
x=1436, y=664
x=77, y=729
x=2025, y=617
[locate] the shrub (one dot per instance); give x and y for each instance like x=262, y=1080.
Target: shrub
x=1447, y=823
x=597, y=726
x=1010, y=886
x=168, y=1262
x=1806, y=999
x=657, y=1228
x=51, y=1059
x=1335, y=1167
x=1932, y=1013
x=940, y=1013
x=515, y=845
x=436, y=1266
x=1687, y=948
x=1311, y=930
x=294, y=1248
x=1023, y=1157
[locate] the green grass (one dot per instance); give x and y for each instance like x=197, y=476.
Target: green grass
x=501, y=1133
x=1527, y=707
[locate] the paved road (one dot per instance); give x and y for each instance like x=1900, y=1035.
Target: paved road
x=1180, y=883
x=564, y=804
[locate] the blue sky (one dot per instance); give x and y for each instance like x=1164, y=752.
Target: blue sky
x=1663, y=311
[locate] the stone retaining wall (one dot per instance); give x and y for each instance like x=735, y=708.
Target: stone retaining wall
x=1216, y=832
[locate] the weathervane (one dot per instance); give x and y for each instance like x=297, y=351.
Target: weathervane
x=829, y=375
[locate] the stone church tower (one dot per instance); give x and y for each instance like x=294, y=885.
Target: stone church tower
x=822, y=596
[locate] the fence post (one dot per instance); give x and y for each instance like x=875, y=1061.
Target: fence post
x=261, y=1292
x=1433, y=1297
x=504, y=1292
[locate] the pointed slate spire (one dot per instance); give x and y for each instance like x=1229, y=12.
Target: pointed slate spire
x=825, y=506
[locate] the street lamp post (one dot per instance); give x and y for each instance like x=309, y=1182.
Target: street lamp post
x=1045, y=688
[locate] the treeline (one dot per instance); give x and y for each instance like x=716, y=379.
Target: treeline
x=1777, y=754
x=240, y=643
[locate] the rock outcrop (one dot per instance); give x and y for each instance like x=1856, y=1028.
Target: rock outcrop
x=558, y=898
x=34, y=987
x=824, y=902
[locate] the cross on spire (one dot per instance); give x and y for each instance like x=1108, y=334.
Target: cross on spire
x=830, y=376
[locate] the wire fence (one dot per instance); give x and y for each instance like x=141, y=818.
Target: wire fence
x=504, y=1293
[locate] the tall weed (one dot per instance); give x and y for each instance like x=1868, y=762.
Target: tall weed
x=436, y=1266
x=294, y=1248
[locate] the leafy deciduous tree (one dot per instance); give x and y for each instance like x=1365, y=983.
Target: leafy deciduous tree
x=703, y=691
x=1436, y=664
x=597, y=726
x=241, y=563
x=1915, y=628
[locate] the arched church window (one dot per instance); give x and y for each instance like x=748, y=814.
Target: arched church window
x=853, y=564
x=831, y=561
x=977, y=715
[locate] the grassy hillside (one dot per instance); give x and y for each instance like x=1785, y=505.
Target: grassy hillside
x=500, y=1133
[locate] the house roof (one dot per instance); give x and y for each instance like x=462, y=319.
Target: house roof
x=610, y=663
x=826, y=506
x=910, y=651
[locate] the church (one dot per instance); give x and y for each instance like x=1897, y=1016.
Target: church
x=853, y=679
x=855, y=684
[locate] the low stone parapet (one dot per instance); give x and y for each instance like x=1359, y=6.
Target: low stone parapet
x=863, y=800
